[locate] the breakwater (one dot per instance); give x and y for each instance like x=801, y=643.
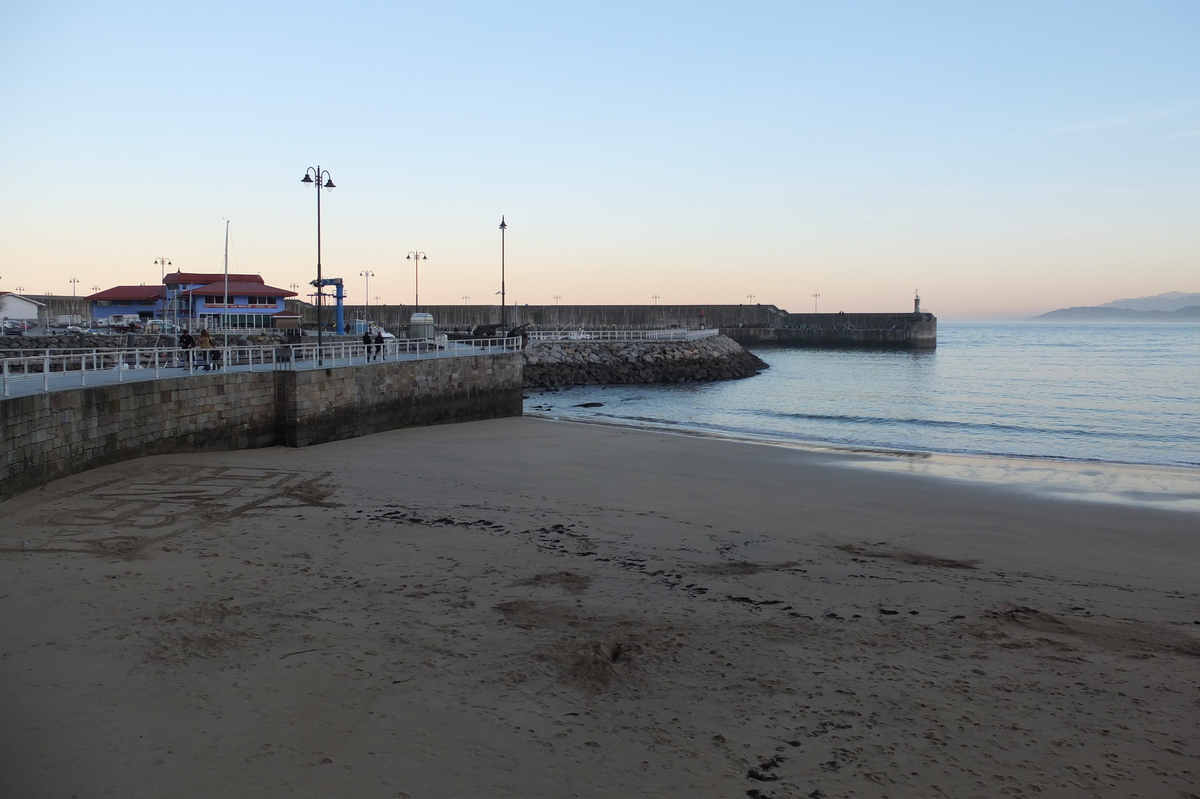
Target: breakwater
x=747, y=324
x=50, y=435
x=909, y=330
x=583, y=363
x=554, y=317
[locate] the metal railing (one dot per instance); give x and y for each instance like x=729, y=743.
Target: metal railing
x=668, y=334
x=54, y=370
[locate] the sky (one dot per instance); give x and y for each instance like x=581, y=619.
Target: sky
x=1004, y=158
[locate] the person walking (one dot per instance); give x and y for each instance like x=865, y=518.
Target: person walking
x=367, y=344
x=378, y=344
x=186, y=342
x=206, y=350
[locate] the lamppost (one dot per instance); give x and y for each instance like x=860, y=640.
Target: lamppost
x=503, y=307
x=367, y=274
x=73, y=281
x=815, y=296
x=416, y=256
x=751, y=298
x=162, y=262
x=656, y=298
x=315, y=176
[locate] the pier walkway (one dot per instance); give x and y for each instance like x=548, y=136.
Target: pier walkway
x=63, y=370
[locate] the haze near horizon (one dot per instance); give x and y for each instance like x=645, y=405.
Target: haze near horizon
x=1006, y=160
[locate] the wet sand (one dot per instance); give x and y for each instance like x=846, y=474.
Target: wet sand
x=524, y=608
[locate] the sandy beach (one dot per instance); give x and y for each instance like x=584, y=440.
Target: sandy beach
x=528, y=608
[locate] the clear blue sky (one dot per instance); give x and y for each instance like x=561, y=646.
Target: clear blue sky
x=1006, y=158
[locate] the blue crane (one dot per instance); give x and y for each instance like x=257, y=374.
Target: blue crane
x=339, y=294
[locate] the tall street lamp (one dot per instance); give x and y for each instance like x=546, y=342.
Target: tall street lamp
x=416, y=256
x=315, y=176
x=503, y=307
x=162, y=263
x=751, y=298
x=815, y=297
x=367, y=274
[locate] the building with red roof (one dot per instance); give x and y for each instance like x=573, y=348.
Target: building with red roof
x=197, y=300
x=144, y=302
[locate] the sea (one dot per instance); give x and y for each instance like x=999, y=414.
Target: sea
x=1088, y=393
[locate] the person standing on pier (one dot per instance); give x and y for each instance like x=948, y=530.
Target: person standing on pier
x=186, y=343
x=378, y=344
x=206, y=350
x=367, y=344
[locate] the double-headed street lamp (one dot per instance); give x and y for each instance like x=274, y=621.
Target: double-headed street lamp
x=416, y=256
x=366, y=274
x=162, y=263
x=815, y=298
x=315, y=176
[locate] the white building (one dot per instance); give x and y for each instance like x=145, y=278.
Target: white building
x=14, y=306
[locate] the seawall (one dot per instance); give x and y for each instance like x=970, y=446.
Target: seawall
x=578, y=363
x=44, y=437
x=910, y=330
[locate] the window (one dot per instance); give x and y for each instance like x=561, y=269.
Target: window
x=103, y=302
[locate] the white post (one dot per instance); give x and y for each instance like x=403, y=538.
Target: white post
x=6, y=377
x=46, y=372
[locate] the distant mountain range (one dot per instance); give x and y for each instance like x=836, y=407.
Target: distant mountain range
x=1174, y=306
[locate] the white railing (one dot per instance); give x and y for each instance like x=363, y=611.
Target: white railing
x=667, y=334
x=67, y=370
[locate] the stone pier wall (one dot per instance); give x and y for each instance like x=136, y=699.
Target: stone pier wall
x=316, y=406
x=914, y=331
x=44, y=437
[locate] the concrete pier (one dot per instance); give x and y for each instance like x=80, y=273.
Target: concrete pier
x=749, y=325
x=45, y=436
x=910, y=330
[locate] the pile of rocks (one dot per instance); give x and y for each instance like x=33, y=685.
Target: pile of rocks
x=586, y=363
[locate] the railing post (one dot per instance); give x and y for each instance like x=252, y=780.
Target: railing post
x=46, y=372
x=6, y=377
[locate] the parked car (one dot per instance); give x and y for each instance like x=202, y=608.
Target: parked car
x=15, y=327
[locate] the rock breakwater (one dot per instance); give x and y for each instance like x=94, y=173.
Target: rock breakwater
x=589, y=363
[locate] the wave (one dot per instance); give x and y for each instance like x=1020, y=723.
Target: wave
x=950, y=424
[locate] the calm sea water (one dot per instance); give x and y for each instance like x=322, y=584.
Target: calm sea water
x=1118, y=393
